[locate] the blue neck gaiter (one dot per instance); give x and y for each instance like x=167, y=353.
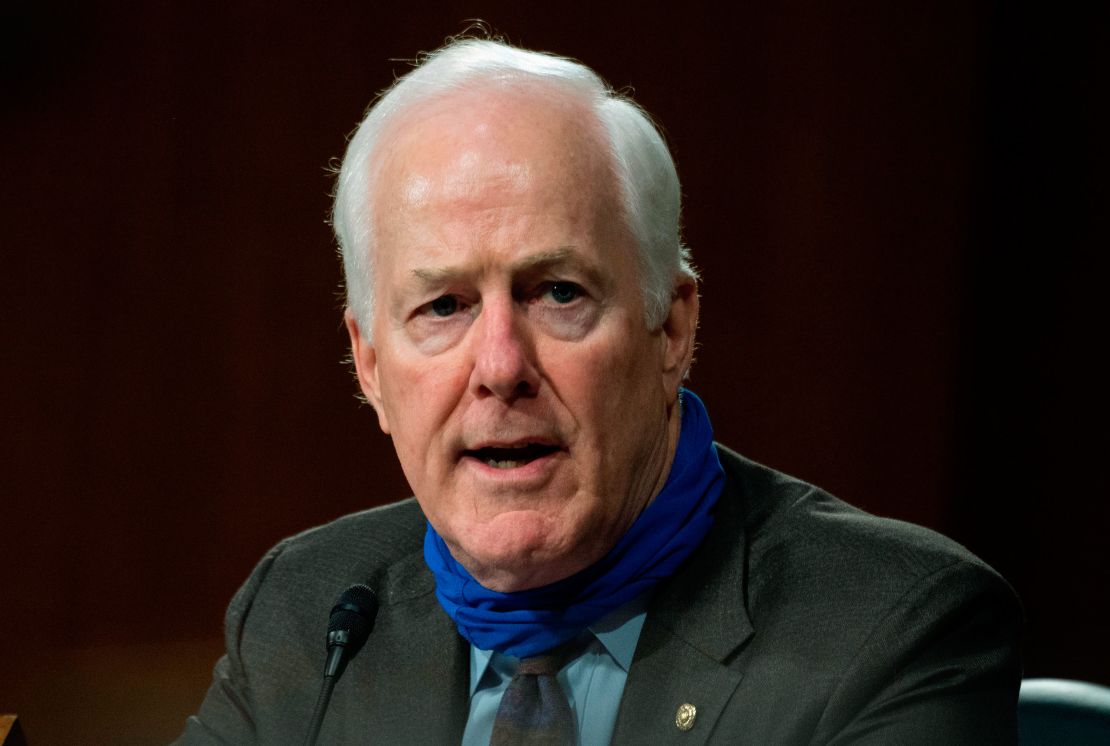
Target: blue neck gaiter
x=526, y=623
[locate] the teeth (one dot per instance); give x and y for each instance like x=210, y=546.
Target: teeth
x=510, y=457
x=503, y=464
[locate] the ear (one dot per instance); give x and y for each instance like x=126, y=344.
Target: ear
x=365, y=357
x=678, y=330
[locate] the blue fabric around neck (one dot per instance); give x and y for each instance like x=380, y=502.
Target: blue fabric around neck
x=529, y=622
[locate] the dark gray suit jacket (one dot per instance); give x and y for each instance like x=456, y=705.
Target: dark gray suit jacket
x=800, y=620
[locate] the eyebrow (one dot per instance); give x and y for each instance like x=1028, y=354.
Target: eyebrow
x=561, y=256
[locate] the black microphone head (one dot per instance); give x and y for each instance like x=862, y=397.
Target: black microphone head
x=352, y=618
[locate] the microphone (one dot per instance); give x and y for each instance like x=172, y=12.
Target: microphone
x=350, y=623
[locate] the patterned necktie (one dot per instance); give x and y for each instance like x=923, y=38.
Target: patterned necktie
x=534, y=709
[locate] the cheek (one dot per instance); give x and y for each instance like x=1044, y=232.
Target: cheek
x=629, y=361
x=419, y=396
x=616, y=379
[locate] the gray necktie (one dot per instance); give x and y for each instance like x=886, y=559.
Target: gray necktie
x=534, y=709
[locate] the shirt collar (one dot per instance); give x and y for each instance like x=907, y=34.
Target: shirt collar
x=618, y=632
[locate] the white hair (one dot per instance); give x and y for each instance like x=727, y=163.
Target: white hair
x=650, y=195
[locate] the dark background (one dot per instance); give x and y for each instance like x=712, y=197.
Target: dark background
x=895, y=206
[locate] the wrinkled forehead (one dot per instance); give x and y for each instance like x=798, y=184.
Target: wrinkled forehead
x=473, y=144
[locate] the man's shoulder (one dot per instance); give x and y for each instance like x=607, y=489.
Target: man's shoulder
x=810, y=551
x=275, y=624
x=309, y=570
x=832, y=621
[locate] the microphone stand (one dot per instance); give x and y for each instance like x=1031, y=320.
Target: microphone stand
x=321, y=708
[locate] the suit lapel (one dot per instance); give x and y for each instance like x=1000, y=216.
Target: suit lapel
x=696, y=623
x=413, y=681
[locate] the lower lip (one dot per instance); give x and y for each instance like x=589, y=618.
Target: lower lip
x=535, y=470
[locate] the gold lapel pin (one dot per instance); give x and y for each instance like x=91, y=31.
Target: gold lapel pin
x=685, y=716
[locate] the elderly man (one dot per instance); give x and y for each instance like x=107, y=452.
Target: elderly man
x=581, y=563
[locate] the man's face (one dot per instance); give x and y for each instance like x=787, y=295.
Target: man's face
x=532, y=410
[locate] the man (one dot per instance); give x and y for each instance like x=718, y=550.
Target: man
x=522, y=317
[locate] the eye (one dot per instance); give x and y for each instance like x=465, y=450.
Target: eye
x=444, y=305
x=564, y=292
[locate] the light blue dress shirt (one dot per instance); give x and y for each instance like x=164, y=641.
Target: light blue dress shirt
x=593, y=682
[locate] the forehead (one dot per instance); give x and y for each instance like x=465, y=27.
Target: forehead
x=481, y=148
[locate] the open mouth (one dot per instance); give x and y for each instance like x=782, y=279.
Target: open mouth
x=511, y=457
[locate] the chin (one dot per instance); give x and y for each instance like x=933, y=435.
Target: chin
x=516, y=552
x=518, y=578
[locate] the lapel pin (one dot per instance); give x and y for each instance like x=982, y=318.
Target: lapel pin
x=685, y=716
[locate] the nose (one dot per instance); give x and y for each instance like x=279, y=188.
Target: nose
x=504, y=357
